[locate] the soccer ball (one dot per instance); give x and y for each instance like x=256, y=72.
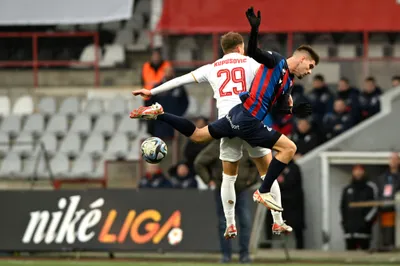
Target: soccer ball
x=154, y=150
x=175, y=236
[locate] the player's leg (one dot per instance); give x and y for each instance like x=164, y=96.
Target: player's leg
x=262, y=157
x=225, y=245
x=230, y=154
x=181, y=124
x=285, y=151
x=257, y=134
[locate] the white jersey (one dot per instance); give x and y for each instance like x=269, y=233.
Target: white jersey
x=228, y=76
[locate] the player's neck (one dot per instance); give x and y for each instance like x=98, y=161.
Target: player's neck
x=233, y=52
x=292, y=63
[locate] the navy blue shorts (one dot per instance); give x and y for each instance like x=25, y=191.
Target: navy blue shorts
x=240, y=123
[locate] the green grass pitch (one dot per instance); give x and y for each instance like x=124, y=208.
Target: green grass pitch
x=130, y=263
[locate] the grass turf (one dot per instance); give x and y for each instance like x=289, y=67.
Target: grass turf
x=126, y=263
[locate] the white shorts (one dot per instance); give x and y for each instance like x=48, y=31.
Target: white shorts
x=231, y=150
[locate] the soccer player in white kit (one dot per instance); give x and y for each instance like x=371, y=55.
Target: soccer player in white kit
x=229, y=76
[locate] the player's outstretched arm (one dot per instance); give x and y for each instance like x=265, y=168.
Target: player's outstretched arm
x=169, y=85
x=267, y=58
x=254, y=22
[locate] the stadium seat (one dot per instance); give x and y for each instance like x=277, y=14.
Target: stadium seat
x=4, y=106
x=184, y=49
x=134, y=103
x=321, y=49
x=94, y=107
x=10, y=166
x=42, y=170
x=47, y=106
x=81, y=125
x=346, y=51
x=376, y=50
x=114, y=55
x=88, y=55
x=59, y=166
x=23, y=106
x=134, y=152
x=128, y=126
x=135, y=23
x=111, y=26
x=4, y=143
x=123, y=37
x=193, y=109
x=29, y=167
x=70, y=106
x=105, y=125
x=396, y=49
x=24, y=144
x=141, y=43
x=99, y=169
x=117, y=107
x=11, y=125
x=57, y=125
x=207, y=50
x=83, y=167
x=206, y=107
x=50, y=143
x=71, y=145
x=34, y=125
x=95, y=145
x=118, y=147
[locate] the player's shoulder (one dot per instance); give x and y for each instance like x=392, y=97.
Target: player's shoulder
x=250, y=60
x=276, y=55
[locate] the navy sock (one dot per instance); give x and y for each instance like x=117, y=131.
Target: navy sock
x=183, y=125
x=274, y=170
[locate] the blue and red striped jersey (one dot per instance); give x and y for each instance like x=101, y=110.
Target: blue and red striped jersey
x=272, y=80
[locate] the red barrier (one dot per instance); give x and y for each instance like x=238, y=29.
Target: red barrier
x=35, y=63
x=210, y=16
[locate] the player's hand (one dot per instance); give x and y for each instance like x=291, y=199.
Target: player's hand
x=252, y=18
x=302, y=110
x=146, y=94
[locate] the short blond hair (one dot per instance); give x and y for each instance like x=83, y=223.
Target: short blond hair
x=230, y=40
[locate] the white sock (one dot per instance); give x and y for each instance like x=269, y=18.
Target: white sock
x=228, y=197
x=275, y=189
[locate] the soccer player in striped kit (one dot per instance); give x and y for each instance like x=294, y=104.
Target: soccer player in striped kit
x=270, y=87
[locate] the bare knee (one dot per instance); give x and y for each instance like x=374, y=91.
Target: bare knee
x=230, y=168
x=290, y=149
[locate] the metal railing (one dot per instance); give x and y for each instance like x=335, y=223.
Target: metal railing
x=35, y=63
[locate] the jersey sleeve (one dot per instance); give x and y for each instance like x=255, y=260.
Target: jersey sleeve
x=201, y=74
x=254, y=65
x=268, y=58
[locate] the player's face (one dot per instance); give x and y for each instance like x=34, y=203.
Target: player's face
x=305, y=67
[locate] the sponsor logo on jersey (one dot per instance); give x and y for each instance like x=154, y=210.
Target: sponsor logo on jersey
x=233, y=126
